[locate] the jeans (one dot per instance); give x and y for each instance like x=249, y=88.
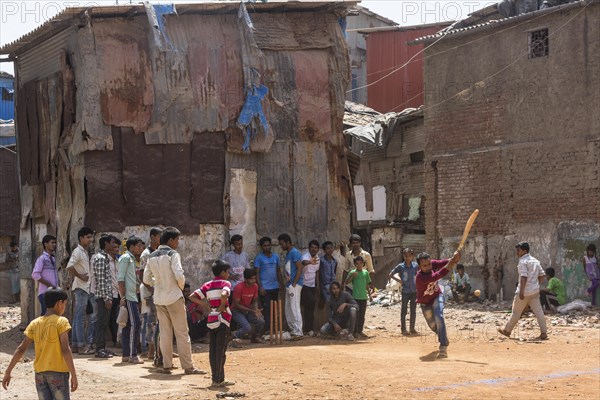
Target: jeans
x=325, y=292
x=102, y=318
x=81, y=298
x=42, y=300
x=360, y=316
x=216, y=352
x=406, y=298
x=347, y=320
x=247, y=322
x=91, y=332
x=130, y=336
x=271, y=294
x=434, y=315
x=293, y=316
x=308, y=301
x=52, y=385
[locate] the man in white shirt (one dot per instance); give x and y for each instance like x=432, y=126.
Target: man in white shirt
x=79, y=267
x=531, y=274
x=309, y=293
x=165, y=272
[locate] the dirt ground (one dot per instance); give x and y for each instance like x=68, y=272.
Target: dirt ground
x=481, y=364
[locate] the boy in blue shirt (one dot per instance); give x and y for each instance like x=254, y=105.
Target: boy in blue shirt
x=268, y=277
x=407, y=271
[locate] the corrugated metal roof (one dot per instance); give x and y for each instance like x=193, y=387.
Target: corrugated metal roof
x=467, y=30
x=70, y=15
x=441, y=25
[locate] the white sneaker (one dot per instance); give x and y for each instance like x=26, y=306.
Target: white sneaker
x=311, y=333
x=344, y=332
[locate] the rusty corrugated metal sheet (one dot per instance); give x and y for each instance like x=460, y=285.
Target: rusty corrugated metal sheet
x=124, y=73
x=386, y=52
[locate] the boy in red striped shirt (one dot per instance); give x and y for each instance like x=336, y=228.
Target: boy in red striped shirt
x=214, y=295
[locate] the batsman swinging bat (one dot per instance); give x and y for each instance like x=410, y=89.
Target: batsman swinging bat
x=467, y=229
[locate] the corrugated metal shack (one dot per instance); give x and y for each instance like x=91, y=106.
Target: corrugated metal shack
x=210, y=117
x=386, y=154
x=394, y=77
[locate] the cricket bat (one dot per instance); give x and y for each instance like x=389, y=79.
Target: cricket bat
x=468, y=226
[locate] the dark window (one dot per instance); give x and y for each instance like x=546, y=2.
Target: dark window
x=8, y=94
x=417, y=157
x=538, y=43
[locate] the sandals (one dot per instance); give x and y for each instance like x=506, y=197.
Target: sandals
x=503, y=332
x=103, y=354
x=194, y=371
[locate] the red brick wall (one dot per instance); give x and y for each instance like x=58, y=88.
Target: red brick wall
x=522, y=140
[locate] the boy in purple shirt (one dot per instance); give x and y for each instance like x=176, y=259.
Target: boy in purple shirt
x=44, y=271
x=430, y=296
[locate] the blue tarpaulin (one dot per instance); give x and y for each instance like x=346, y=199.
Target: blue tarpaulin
x=252, y=119
x=253, y=109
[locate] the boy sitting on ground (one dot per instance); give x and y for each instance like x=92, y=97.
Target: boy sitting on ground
x=341, y=313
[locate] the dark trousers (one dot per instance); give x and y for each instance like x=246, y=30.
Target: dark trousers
x=406, y=298
x=360, y=316
x=130, y=337
x=112, y=323
x=216, y=352
x=548, y=300
x=308, y=301
x=102, y=319
x=42, y=300
x=461, y=289
x=271, y=294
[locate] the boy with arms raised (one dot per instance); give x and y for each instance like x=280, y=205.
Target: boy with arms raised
x=430, y=296
x=53, y=359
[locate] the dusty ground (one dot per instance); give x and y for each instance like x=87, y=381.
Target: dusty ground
x=387, y=366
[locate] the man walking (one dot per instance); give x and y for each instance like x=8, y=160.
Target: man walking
x=44, y=271
x=528, y=291
x=165, y=272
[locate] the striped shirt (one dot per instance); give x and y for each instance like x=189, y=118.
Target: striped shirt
x=212, y=291
x=102, y=275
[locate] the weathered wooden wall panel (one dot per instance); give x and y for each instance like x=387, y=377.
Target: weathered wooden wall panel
x=275, y=196
x=10, y=208
x=207, y=179
x=280, y=78
x=90, y=132
x=124, y=73
x=156, y=183
x=310, y=192
x=294, y=31
x=312, y=85
x=106, y=207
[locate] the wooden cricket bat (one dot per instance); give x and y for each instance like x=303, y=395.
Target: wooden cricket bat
x=468, y=226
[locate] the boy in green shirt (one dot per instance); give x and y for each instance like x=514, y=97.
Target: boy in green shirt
x=554, y=294
x=360, y=280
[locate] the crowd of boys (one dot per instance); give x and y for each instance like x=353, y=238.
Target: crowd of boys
x=143, y=291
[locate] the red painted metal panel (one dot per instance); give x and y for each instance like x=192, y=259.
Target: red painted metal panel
x=394, y=87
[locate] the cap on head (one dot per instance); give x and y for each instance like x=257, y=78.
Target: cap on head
x=523, y=246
